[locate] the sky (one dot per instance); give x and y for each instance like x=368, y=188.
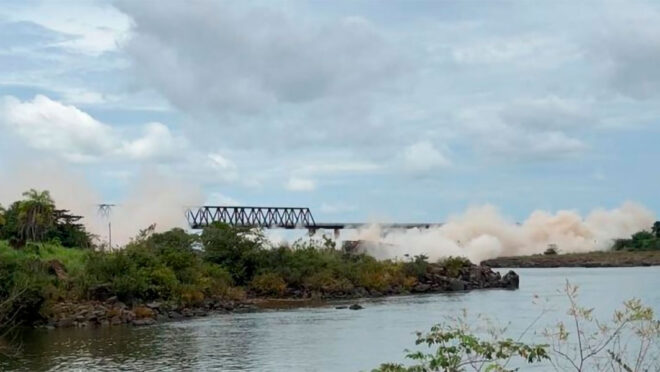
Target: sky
x=403, y=111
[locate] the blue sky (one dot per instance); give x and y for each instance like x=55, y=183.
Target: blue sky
x=407, y=111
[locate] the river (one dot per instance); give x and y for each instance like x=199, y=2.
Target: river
x=324, y=338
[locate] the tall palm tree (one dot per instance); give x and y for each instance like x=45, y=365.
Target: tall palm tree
x=35, y=215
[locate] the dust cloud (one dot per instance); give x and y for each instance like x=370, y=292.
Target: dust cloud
x=152, y=198
x=482, y=232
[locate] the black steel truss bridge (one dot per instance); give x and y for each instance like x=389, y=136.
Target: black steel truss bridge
x=277, y=217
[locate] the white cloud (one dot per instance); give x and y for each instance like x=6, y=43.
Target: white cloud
x=157, y=143
x=627, y=49
x=49, y=125
x=527, y=50
x=300, y=184
x=279, y=60
x=73, y=134
x=423, y=157
x=529, y=129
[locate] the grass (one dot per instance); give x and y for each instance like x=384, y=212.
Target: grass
x=72, y=259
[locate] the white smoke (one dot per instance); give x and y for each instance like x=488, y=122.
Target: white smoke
x=482, y=233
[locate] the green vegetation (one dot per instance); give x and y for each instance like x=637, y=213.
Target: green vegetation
x=36, y=219
x=628, y=342
x=640, y=241
x=47, y=258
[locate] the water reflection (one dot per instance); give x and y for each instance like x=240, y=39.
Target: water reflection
x=321, y=338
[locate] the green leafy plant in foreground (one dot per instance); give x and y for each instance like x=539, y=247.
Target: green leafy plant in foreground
x=629, y=342
x=459, y=348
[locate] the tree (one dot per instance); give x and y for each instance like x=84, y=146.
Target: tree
x=656, y=229
x=2, y=216
x=35, y=215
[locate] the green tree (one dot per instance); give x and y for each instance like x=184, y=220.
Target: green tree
x=2, y=217
x=35, y=215
x=656, y=229
x=236, y=249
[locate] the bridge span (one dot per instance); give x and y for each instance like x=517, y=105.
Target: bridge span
x=278, y=217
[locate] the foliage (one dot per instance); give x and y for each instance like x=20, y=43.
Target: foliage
x=417, y=266
x=35, y=215
x=629, y=342
x=656, y=229
x=453, y=265
x=640, y=241
x=156, y=266
x=622, y=345
x=234, y=248
x=551, y=250
x=457, y=347
x=269, y=284
x=36, y=219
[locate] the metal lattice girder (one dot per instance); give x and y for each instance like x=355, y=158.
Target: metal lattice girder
x=267, y=217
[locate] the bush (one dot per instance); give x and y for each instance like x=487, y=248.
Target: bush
x=453, y=265
x=268, y=284
x=236, y=249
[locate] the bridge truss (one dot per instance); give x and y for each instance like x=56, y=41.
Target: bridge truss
x=266, y=217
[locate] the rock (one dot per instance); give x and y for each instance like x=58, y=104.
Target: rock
x=154, y=305
x=142, y=312
x=115, y=321
x=64, y=323
x=355, y=307
x=111, y=300
x=421, y=288
x=174, y=315
x=457, y=285
x=511, y=280
x=57, y=268
x=143, y=322
x=341, y=307
x=101, y=292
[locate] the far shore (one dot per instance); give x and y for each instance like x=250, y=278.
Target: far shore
x=590, y=259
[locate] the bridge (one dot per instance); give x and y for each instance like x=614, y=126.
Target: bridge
x=277, y=217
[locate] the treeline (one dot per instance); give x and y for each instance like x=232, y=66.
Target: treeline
x=640, y=241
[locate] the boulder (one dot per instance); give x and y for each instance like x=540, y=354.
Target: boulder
x=355, y=307
x=511, y=280
x=457, y=285
x=421, y=288
x=64, y=323
x=143, y=322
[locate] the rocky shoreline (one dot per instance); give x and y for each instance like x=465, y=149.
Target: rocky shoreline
x=112, y=312
x=591, y=259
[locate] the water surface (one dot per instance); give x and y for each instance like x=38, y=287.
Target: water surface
x=324, y=338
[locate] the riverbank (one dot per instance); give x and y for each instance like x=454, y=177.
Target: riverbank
x=591, y=259
x=438, y=278
x=162, y=276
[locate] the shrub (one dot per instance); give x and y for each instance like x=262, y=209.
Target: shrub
x=453, y=265
x=325, y=281
x=269, y=284
x=236, y=249
x=416, y=267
